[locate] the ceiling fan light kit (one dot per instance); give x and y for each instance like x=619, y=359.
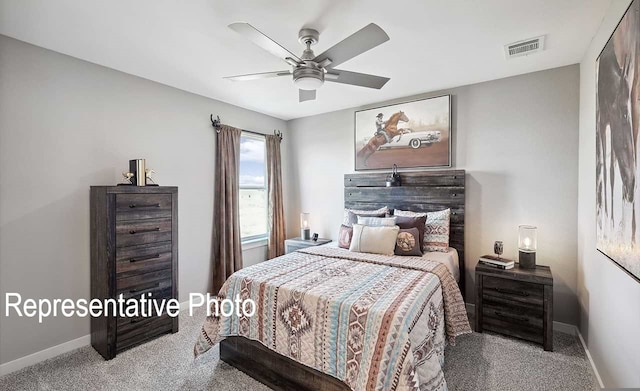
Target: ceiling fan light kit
x=310, y=71
x=308, y=78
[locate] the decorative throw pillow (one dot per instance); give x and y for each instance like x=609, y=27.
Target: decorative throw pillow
x=436, y=233
x=382, y=212
x=353, y=217
x=344, y=236
x=377, y=221
x=405, y=222
x=408, y=242
x=376, y=240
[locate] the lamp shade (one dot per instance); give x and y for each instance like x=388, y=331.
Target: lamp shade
x=305, y=228
x=527, y=238
x=304, y=220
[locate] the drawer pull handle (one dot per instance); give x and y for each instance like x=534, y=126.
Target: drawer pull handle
x=510, y=292
x=157, y=284
x=133, y=231
x=145, y=258
x=519, y=318
x=144, y=206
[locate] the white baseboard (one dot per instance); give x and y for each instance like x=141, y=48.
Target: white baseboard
x=557, y=326
x=54, y=351
x=593, y=364
x=45, y=354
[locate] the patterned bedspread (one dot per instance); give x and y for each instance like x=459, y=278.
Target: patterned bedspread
x=375, y=322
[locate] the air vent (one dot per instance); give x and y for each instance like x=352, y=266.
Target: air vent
x=524, y=47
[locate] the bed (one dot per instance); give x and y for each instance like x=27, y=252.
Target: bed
x=332, y=319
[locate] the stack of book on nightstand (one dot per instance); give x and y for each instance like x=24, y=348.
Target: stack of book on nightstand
x=497, y=262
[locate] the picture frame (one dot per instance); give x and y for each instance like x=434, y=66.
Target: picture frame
x=617, y=120
x=412, y=134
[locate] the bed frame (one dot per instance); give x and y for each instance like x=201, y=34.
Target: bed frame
x=425, y=191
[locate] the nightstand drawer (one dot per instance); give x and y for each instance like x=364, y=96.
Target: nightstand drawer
x=522, y=332
x=513, y=314
x=513, y=290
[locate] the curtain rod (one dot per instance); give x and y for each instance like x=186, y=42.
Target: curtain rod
x=217, y=125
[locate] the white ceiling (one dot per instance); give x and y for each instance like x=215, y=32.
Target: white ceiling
x=435, y=44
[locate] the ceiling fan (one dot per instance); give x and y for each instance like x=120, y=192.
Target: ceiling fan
x=310, y=71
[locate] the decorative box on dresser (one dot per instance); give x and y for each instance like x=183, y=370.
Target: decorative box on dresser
x=517, y=302
x=134, y=251
x=291, y=245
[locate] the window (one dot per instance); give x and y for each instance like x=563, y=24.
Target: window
x=253, y=188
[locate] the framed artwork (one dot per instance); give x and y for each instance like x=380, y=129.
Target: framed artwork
x=617, y=152
x=411, y=134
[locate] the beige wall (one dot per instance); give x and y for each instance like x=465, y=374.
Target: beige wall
x=609, y=298
x=66, y=124
x=518, y=140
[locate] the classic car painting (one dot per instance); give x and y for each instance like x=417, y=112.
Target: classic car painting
x=617, y=151
x=414, y=140
x=412, y=134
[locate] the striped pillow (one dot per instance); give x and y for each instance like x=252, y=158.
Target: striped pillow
x=378, y=212
x=377, y=221
x=437, y=226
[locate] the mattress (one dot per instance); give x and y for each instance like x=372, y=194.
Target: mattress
x=449, y=259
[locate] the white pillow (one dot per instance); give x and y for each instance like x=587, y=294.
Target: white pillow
x=377, y=221
x=375, y=240
x=345, y=215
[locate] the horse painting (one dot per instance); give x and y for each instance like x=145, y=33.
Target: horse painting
x=617, y=152
x=391, y=127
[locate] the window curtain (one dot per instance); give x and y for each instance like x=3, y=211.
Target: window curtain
x=274, y=189
x=227, y=247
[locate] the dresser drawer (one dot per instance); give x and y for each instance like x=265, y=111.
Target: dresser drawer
x=513, y=290
x=157, y=283
x=125, y=323
x=138, y=331
x=142, y=206
x=131, y=233
x=144, y=258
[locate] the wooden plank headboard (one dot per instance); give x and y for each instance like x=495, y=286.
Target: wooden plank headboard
x=426, y=191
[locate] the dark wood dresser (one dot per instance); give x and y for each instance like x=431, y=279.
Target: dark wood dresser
x=134, y=251
x=516, y=302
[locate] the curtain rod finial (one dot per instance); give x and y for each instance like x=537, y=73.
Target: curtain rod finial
x=216, y=123
x=278, y=134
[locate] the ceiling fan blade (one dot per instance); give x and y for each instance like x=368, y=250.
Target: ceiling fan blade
x=367, y=38
x=306, y=95
x=254, y=35
x=255, y=76
x=356, y=79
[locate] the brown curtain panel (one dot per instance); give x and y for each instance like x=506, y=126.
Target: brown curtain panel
x=274, y=188
x=227, y=247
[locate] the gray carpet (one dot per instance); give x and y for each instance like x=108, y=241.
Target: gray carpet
x=477, y=362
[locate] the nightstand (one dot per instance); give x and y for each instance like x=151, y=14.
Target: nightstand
x=517, y=302
x=291, y=245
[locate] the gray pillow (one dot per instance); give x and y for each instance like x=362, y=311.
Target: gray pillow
x=353, y=217
x=377, y=221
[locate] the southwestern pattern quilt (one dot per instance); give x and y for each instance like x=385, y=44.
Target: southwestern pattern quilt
x=375, y=322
